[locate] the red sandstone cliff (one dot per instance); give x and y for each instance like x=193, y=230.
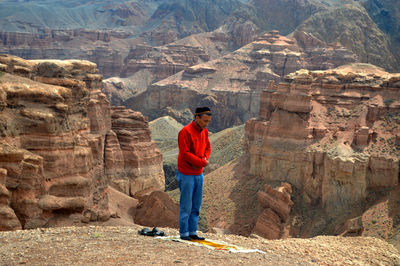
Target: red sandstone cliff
x=333, y=136
x=61, y=145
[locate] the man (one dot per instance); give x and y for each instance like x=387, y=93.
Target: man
x=194, y=151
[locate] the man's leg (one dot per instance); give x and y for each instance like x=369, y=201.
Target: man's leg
x=186, y=183
x=196, y=204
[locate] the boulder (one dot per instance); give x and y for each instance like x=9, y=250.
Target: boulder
x=157, y=209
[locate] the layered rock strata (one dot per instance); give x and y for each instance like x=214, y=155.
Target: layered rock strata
x=8, y=219
x=64, y=44
x=55, y=128
x=330, y=134
x=277, y=206
x=367, y=28
x=232, y=84
x=163, y=61
x=145, y=65
x=142, y=159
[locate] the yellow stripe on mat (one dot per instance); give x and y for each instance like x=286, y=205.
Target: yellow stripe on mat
x=212, y=244
x=216, y=245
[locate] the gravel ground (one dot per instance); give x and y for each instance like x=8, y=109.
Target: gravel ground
x=109, y=245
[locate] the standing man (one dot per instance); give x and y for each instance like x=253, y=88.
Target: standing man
x=194, y=151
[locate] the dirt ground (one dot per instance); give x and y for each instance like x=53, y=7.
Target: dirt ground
x=122, y=245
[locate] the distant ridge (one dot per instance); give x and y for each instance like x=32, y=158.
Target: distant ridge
x=165, y=128
x=369, y=28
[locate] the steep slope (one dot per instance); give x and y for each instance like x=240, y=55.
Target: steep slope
x=31, y=16
x=164, y=131
x=230, y=198
x=185, y=17
x=351, y=26
x=344, y=22
x=337, y=143
x=284, y=15
x=386, y=14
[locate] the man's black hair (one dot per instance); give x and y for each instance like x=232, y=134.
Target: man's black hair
x=202, y=110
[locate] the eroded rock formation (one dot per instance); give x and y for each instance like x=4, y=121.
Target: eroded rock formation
x=330, y=134
x=58, y=150
x=163, y=61
x=231, y=85
x=8, y=219
x=142, y=160
x=145, y=65
x=277, y=206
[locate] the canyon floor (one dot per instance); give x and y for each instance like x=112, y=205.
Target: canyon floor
x=117, y=245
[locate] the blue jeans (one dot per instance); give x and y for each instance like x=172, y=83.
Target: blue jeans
x=191, y=187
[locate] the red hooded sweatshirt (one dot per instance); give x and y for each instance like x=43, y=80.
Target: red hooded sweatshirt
x=194, y=149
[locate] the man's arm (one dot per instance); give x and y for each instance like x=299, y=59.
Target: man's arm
x=183, y=143
x=208, y=148
x=207, y=151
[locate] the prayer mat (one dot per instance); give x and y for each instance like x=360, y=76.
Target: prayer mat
x=212, y=244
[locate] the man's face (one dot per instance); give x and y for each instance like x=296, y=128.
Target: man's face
x=203, y=121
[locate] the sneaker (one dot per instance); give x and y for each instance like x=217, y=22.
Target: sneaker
x=146, y=232
x=185, y=238
x=196, y=237
x=157, y=232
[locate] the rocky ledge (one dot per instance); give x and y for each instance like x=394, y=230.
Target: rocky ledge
x=62, y=145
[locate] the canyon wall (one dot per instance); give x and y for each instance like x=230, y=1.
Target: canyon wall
x=334, y=135
x=93, y=45
x=62, y=145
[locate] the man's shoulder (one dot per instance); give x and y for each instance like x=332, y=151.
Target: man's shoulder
x=185, y=128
